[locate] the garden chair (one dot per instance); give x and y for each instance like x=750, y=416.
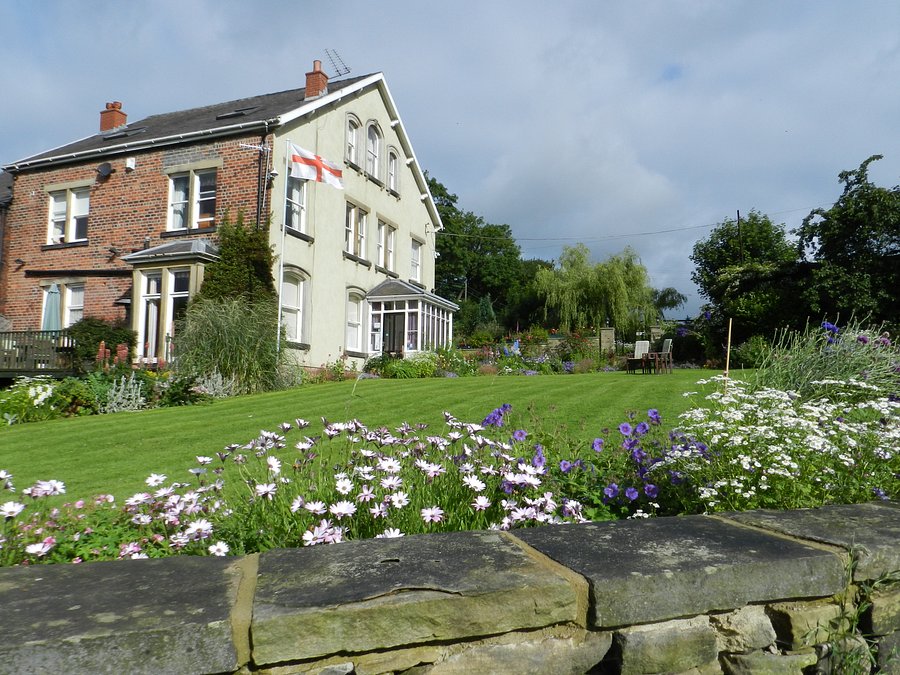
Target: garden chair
x=664, y=361
x=641, y=349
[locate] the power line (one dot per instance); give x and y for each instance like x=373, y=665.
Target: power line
x=608, y=237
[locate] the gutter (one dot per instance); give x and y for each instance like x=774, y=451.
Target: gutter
x=229, y=130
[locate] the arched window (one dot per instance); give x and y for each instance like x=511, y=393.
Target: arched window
x=373, y=151
x=393, y=171
x=355, y=320
x=294, y=288
x=353, y=140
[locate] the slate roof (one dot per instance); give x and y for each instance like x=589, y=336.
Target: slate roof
x=229, y=117
x=193, y=249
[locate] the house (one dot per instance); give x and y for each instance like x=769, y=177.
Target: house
x=122, y=223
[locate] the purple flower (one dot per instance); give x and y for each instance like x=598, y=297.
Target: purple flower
x=611, y=491
x=625, y=429
x=880, y=494
x=631, y=493
x=565, y=466
x=538, y=460
x=862, y=339
x=651, y=490
x=653, y=414
x=642, y=429
x=519, y=435
x=830, y=327
x=597, y=445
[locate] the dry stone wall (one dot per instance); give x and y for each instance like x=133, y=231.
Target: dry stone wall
x=758, y=592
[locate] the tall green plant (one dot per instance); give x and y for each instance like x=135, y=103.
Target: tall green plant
x=802, y=361
x=234, y=337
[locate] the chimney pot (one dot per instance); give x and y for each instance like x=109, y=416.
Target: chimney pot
x=112, y=117
x=316, y=82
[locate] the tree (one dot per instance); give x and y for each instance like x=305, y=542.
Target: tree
x=855, y=251
x=475, y=259
x=615, y=292
x=667, y=298
x=244, y=267
x=747, y=272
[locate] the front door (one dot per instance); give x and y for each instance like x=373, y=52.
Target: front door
x=394, y=329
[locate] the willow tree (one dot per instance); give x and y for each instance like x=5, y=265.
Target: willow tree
x=615, y=292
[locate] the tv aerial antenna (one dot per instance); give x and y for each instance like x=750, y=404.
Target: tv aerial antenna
x=340, y=68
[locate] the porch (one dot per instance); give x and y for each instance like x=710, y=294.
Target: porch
x=36, y=352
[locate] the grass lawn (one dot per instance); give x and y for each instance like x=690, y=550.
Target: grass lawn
x=115, y=453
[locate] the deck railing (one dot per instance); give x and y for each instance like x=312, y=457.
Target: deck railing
x=35, y=351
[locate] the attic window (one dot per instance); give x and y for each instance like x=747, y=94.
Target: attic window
x=238, y=112
x=125, y=133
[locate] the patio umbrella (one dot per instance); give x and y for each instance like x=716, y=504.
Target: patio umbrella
x=50, y=320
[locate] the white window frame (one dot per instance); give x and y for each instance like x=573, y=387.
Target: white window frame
x=393, y=171
x=295, y=205
x=190, y=203
x=355, y=314
x=415, y=260
x=171, y=296
x=73, y=304
x=355, y=230
x=373, y=150
x=353, y=140
x=385, y=254
x=69, y=215
x=294, y=315
x=148, y=340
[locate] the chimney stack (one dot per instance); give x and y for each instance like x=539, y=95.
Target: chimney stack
x=112, y=117
x=316, y=82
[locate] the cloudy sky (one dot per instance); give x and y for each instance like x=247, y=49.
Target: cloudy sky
x=613, y=123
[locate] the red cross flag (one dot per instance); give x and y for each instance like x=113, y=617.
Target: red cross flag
x=305, y=164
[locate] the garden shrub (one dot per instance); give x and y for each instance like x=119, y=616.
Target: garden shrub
x=750, y=354
x=89, y=332
x=74, y=396
x=29, y=399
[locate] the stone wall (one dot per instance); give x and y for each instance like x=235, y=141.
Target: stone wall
x=754, y=592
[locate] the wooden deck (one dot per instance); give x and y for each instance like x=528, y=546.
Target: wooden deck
x=36, y=352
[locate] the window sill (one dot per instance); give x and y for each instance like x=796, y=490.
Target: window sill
x=375, y=179
x=68, y=244
x=417, y=284
x=297, y=345
x=379, y=268
x=356, y=259
x=299, y=235
x=394, y=193
x=356, y=355
x=353, y=165
x=187, y=232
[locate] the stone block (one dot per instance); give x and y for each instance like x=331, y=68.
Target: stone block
x=764, y=663
x=883, y=615
x=139, y=616
x=669, y=647
x=806, y=623
x=888, y=655
x=375, y=594
x=663, y=568
x=743, y=630
x=871, y=531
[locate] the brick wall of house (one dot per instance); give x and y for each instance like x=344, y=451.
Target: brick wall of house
x=128, y=212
